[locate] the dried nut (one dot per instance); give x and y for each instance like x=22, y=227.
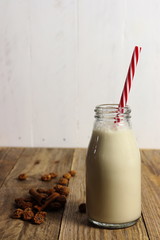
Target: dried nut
x=29, y=199
x=63, y=181
x=73, y=173
x=53, y=175
x=51, y=198
x=67, y=176
x=20, y=202
x=39, y=197
x=22, y=177
x=46, y=177
x=62, y=189
x=82, y=208
x=62, y=199
x=50, y=191
x=55, y=206
x=17, y=200
x=43, y=213
x=39, y=217
x=17, y=213
x=28, y=214
x=41, y=190
x=37, y=208
x=45, y=191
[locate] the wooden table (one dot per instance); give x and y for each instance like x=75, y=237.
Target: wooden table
x=70, y=224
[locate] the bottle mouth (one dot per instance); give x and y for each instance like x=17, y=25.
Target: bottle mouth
x=112, y=111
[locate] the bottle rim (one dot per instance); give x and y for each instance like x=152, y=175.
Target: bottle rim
x=112, y=111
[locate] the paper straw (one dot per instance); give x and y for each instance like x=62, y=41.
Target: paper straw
x=130, y=76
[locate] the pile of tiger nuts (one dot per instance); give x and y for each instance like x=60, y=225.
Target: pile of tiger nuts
x=33, y=208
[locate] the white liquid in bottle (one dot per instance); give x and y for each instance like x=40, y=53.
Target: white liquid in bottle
x=113, y=177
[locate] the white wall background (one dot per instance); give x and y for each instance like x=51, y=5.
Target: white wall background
x=60, y=58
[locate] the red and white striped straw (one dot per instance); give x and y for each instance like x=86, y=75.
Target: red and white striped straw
x=130, y=76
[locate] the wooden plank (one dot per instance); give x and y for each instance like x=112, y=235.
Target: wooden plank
x=151, y=191
x=74, y=225
x=58, y=160
x=8, y=158
x=3, y=151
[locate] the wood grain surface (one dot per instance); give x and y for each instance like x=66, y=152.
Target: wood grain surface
x=151, y=192
x=70, y=224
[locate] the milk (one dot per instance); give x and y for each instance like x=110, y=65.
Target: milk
x=113, y=177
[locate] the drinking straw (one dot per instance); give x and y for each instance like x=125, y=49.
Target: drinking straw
x=130, y=76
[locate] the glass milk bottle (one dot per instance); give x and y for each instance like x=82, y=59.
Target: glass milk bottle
x=113, y=170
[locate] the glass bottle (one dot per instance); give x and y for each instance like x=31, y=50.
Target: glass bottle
x=113, y=170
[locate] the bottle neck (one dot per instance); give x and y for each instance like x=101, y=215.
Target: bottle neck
x=112, y=115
